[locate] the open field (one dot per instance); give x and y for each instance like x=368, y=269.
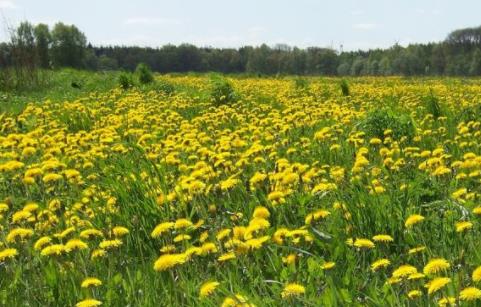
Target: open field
x=294, y=194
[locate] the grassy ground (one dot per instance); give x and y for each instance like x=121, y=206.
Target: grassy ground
x=293, y=194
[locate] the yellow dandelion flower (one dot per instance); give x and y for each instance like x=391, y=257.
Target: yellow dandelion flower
x=40, y=243
x=91, y=282
x=98, y=253
x=404, y=271
x=477, y=210
x=437, y=283
x=108, y=244
x=413, y=219
x=168, y=261
x=74, y=244
x=8, y=253
x=89, y=303
x=435, y=266
x=261, y=213
x=382, y=238
x=21, y=233
x=416, y=250
x=378, y=264
x=414, y=294
x=226, y=256
x=208, y=288
x=476, y=276
x=447, y=301
x=328, y=265
x=462, y=226
x=364, y=243
x=161, y=228
x=292, y=289
x=54, y=249
x=470, y=294
x=120, y=231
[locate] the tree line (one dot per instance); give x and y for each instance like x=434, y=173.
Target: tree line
x=66, y=46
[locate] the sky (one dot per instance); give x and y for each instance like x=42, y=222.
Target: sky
x=352, y=24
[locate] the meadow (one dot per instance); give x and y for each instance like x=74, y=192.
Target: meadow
x=292, y=192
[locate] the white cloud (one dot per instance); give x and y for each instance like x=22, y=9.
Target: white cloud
x=151, y=21
x=364, y=26
x=6, y=4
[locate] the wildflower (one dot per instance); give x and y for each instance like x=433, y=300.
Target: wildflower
x=437, y=284
x=292, y=289
x=161, y=228
x=476, y=276
x=208, y=288
x=182, y=237
x=21, y=233
x=120, y=231
x=381, y=263
x=91, y=281
x=182, y=223
x=382, y=238
x=107, y=244
x=168, y=261
x=40, y=243
x=316, y=215
x=74, y=244
x=413, y=219
x=435, y=266
x=54, y=249
x=415, y=276
x=89, y=303
x=364, y=243
x=98, y=253
x=462, y=226
x=470, y=294
x=404, y=271
x=291, y=258
x=477, y=210
x=51, y=177
x=416, y=250
x=447, y=301
x=226, y=257
x=414, y=294
x=8, y=253
x=328, y=265
x=261, y=213
x=88, y=233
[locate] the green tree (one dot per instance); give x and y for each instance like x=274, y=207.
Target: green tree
x=68, y=46
x=42, y=44
x=475, y=66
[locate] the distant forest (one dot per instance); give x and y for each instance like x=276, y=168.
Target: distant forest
x=66, y=46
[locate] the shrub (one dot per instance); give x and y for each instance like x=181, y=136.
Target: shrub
x=301, y=84
x=344, y=87
x=125, y=80
x=221, y=91
x=378, y=121
x=144, y=74
x=164, y=87
x=431, y=103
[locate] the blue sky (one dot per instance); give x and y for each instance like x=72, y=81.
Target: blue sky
x=355, y=24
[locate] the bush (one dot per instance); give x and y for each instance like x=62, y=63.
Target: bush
x=144, y=74
x=163, y=86
x=125, y=80
x=378, y=121
x=221, y=91
x=431, y=103
x=344, y=87
x=301, y=84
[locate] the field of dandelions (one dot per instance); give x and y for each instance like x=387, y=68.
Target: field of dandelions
x=295, y=193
